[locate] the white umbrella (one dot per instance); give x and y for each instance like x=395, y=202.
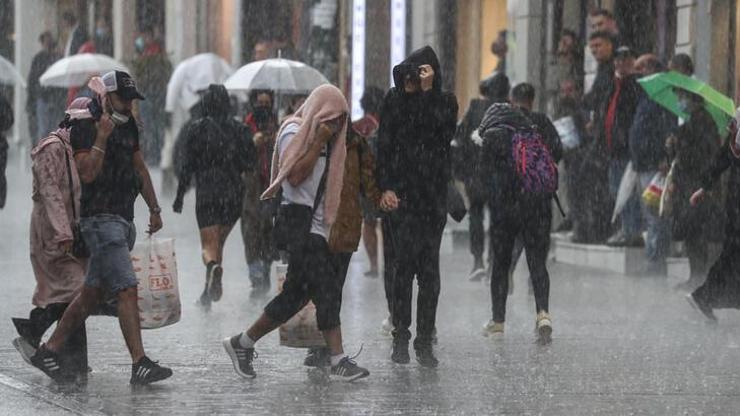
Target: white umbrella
x=9, y=74
x=76, y=70
x=193, y=75
x=626, y=190
x=279, y=75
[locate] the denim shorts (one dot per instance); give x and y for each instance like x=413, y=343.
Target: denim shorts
x=110, y=239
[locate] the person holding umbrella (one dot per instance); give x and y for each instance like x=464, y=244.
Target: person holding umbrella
x=722, y=287
x=692, y=148
x=217, y=150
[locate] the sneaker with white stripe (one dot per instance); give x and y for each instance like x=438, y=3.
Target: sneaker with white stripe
x=241, y=357
x=146, y=371
x=48, y=362
x=348, y=370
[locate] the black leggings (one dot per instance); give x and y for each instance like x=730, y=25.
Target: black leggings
x=531, y=221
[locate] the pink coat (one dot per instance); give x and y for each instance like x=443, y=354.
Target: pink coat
x=59, y=277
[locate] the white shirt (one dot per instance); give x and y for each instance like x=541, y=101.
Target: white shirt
x=305, y=193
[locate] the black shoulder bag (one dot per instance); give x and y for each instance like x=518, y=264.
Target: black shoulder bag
x=79, y=248
x=293, y=221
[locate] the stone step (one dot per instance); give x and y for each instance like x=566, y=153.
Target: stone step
x=622, y=260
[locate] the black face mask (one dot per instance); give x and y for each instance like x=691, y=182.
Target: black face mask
x=262, y=114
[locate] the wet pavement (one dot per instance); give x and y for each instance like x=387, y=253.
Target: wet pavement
x=620, y=346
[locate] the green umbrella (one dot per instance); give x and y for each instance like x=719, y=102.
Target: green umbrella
x=660, y=88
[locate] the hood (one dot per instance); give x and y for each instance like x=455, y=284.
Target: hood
x=502, y=115
x=423, y=56
x=215, y=102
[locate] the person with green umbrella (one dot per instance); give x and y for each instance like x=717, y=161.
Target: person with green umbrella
x=692, y=148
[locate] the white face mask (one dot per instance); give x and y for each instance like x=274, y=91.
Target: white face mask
x=118, y=118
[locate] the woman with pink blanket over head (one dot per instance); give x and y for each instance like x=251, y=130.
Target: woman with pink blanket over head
x=308, y=165
x=56, y=207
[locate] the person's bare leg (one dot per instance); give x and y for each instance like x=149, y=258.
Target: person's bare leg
x=370, y=239
x=77, y=312
x=210, y=238
x=261, y=327
x=333, y=338
x=223, y=234
x=128, y=318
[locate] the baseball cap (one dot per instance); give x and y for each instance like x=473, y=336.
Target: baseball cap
x=122, y=84
x=625, y=52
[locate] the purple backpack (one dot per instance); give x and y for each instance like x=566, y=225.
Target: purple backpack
x=535, y=167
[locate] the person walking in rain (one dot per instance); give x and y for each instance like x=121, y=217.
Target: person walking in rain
x=308, y=165
x=692, y=149
x=367, y=127
x=43, y=104
x=113, y=174
x=516, y=210
x=256, y=224
x=358, y=187
x=722, y=287
x=217, y=152
x=413, y=169
x=466, y=166
x=56, y=209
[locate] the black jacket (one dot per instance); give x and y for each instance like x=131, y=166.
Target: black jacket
x=629, y=96
x=697, y=143
x=496, y=153
x=414, y=139
x=723, y=161
x=603, y=84
x=650, y=128
x=216, y=150
x=465, y=164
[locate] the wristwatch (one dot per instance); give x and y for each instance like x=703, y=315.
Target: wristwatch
x=155, y=210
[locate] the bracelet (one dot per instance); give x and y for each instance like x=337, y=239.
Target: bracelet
x=155, y=210
x=98, y=149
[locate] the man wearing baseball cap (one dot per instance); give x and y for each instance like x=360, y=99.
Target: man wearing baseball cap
x=113, y=174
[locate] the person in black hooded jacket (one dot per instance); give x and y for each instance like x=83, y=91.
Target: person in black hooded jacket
x=216, y=150
x=417, y=123
x=465, y=164
x=515, y=213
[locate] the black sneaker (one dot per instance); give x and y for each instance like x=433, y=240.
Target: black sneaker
x=347, y=370
x=425, y=357
x=318, y=357
x=147, y=371
x=400, y=353
x=215, y=288
x=48, y=362
x=702, y=307
x=241, y=357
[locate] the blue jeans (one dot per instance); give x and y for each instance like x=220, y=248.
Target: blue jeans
x=110, y=239
x=658, y=233
x=631, y=216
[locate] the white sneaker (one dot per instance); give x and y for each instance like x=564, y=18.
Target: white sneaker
x=25, y=349
x=543, y=327
x=387, y=327
x=493, y=329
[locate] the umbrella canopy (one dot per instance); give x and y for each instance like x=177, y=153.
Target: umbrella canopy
x=193, y=75
x=9, y=75
x=76, y=70
x=279, y=75
x=660, y=88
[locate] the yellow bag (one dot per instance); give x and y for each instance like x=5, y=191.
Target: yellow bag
x=654, y=191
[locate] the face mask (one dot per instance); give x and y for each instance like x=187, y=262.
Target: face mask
x=262, y=114
x=118, y=118
x=139, y=44
x=101, y=32
x=683, y=105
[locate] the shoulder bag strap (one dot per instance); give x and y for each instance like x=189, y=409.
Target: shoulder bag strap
x=322, y=182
